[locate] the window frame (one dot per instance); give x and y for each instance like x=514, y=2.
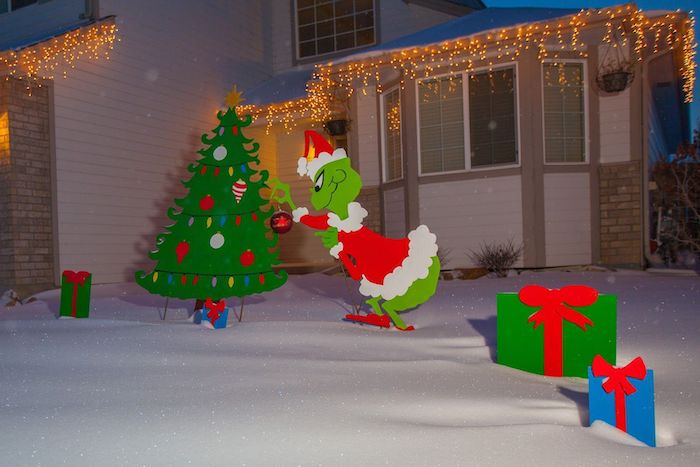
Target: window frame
x=586, y=114
x=465, y=75
x=10, y=9
x=382, y=107
x=313, y=58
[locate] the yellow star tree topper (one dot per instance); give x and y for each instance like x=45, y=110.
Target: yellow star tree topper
x=234, y=98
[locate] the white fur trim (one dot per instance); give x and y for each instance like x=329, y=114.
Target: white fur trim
x=337, y=248
x=356, y=214
x=305, y=167
x=422, y=247
x=298, y=213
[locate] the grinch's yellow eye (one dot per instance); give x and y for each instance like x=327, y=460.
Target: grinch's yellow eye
x=319, y=182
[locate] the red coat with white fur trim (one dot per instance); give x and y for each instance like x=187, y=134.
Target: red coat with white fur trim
x=385, y=267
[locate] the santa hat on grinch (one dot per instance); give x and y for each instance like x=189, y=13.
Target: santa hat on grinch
x=317, y=153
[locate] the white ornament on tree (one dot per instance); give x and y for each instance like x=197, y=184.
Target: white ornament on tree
x=216, y=241
x=220, y=153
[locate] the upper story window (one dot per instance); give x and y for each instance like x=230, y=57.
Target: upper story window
x=564, y=112
x=327, y=26
x=11, y=5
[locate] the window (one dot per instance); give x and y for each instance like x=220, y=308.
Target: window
x=391, y=123
x=11, y=5
x=492, y=119
x=440, y=106
x=326, y=26
x=564, y=112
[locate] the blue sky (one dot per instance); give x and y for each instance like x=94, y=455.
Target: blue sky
x=687, y=5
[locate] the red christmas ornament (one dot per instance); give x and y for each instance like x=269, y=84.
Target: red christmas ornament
x=234, y=129
x=181, y=251
x=216, y=172
x=247, y=258
x=262, y=279
x=204, y=169
x=184, y=279
x=281, y=222
x=206, y=203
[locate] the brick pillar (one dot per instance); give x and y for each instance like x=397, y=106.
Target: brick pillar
x=621, y=214
x=26, y=229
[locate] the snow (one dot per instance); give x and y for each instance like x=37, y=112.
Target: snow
x=294, y=385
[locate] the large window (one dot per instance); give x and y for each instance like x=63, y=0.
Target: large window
x=391, y=124
x=564, y=112
x=326, y=26
x=492, y=119
x=440, y=106
x=11, y=5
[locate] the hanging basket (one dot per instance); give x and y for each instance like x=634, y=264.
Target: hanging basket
x=336, y=127
x=615, y=81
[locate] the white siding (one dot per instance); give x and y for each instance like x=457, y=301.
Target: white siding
x=279, y=37
x=127, y=128
x=394, y=213
x=364, y=125
x=567, y=210
x=39, y=20
x=614, y=112
x=466, y=214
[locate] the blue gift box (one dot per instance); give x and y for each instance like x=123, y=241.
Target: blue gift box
x=220, y=323
x=639, y=406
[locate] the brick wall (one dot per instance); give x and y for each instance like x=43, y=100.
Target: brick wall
x=26, y=241
x=620, y=214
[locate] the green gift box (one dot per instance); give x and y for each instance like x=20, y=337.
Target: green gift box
x=75, y=294
x=555, y=332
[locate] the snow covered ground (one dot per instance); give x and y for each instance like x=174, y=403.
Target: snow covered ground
x=294, y=385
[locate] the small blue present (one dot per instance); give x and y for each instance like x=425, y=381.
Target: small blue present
x=623, y=397
x=215, y=313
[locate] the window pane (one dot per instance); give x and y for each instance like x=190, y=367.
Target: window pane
x=564, y=118
x=349, y=23
x=3, y=6
x=441, y=118
x=392, y=135
x=307, y=49
x=492, y=119
x=16, y=4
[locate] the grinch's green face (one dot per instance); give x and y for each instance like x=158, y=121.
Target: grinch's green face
x=335, y=186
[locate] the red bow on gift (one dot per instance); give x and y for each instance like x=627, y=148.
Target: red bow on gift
x=554, y=310
x=78, y=280
x=618, y=382
x=215, y=309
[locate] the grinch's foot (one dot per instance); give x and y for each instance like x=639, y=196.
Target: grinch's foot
x=373, y=319
x=406, y=329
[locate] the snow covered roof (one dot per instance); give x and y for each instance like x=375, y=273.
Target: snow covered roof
x=286, y=86
x=291, y=84
x=16, y=44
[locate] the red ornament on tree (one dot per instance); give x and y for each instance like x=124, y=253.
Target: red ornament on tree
x=206, y=203
x=247, y=258
x=234, y=130
x=281, y=222
x=181, y=251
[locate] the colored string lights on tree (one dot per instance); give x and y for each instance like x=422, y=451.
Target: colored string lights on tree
x=59, y=54
x=334, y=83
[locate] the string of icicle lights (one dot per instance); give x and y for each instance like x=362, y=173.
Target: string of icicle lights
x=333, y=83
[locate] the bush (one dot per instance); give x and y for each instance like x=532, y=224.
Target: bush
x=498, y=258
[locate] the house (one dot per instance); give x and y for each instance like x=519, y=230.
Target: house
x=90, y=163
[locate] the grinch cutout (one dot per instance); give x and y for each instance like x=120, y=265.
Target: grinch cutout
x=399, y=273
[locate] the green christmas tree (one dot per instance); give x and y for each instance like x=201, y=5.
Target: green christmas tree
x=220, y=244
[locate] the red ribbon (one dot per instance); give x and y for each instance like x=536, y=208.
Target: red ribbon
x=215, y=309
x=617, y=381
x=78, y=280
x=554, y=310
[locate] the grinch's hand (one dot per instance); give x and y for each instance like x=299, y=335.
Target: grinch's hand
x=329, y=237
x=277, y=185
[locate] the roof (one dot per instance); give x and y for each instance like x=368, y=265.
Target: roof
x=43, y=36
x=292, y=84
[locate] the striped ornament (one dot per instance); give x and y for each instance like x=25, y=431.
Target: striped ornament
x=238, y=189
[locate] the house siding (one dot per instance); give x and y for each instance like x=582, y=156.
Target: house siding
x=126, y=129
x=394, y=213
x=614, y=112
x=465, y=214
x=398, y=18
x=567, y=210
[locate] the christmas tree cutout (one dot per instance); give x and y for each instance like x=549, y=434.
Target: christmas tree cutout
x=220, y=244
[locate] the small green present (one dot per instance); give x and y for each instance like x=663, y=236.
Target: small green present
x=75, y=294
x=555, y=332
